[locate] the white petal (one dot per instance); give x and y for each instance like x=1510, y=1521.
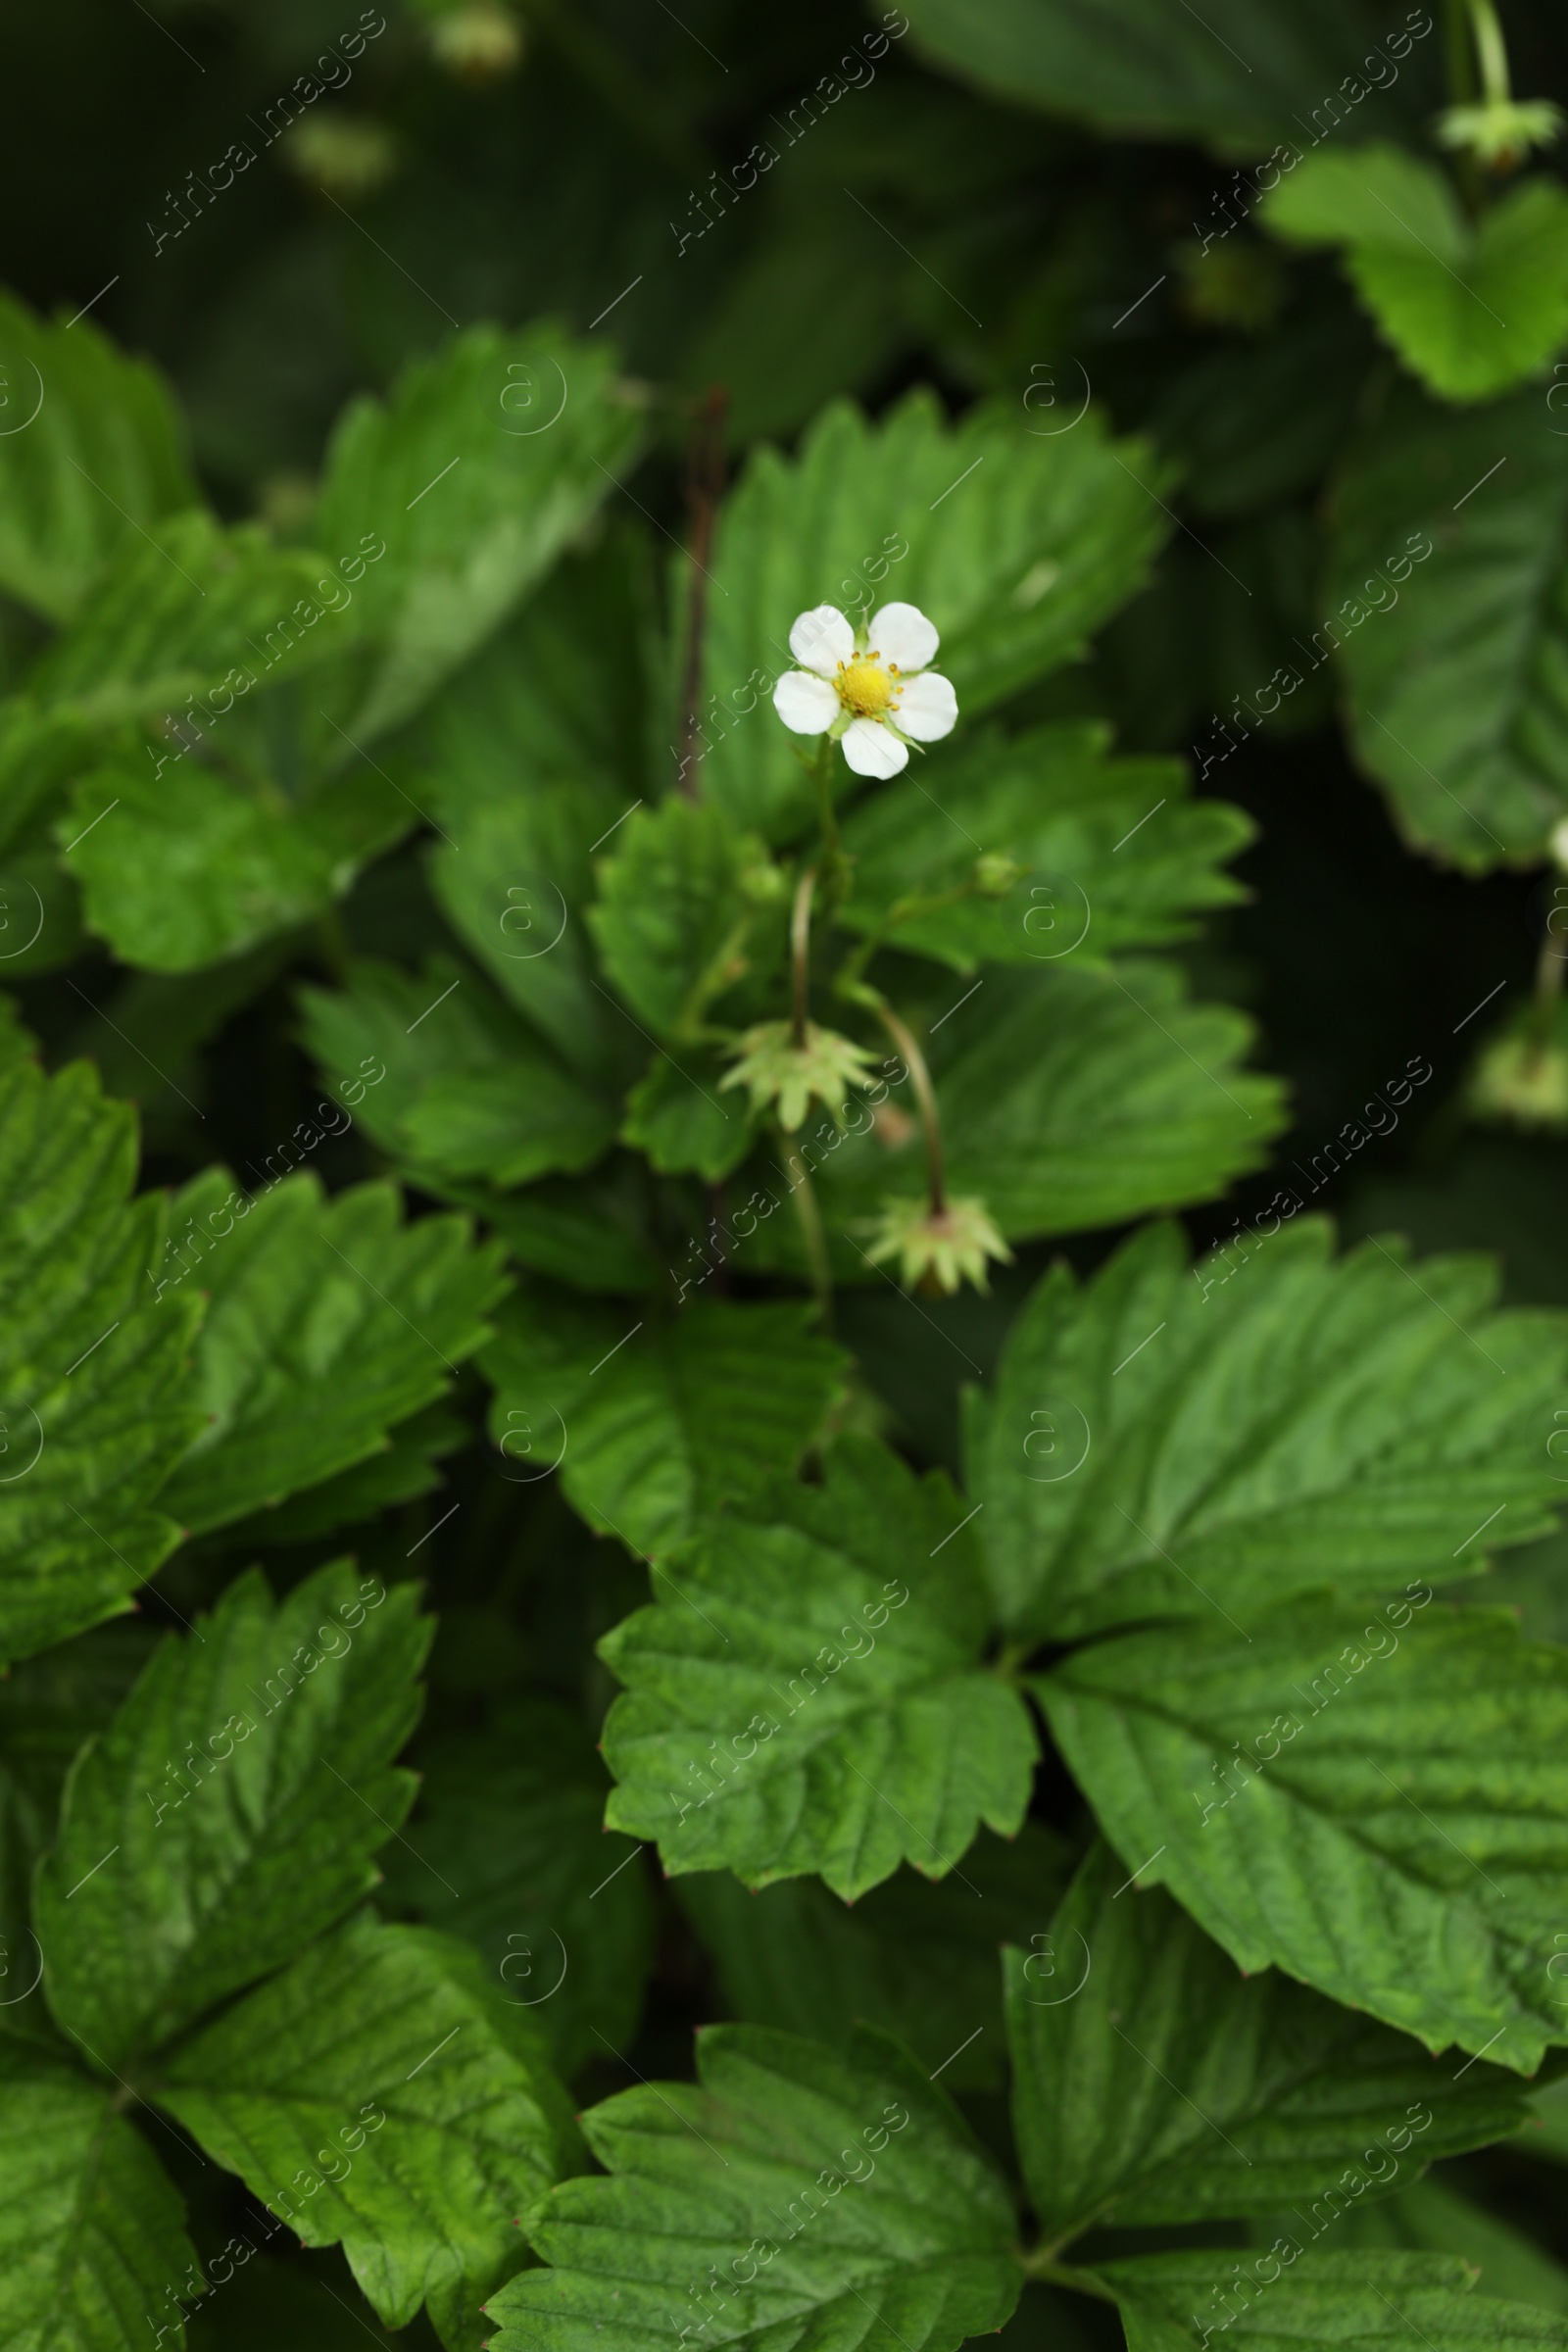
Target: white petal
x=808, y=706
x=871, y=750
x=903, y=635
x=821, y=639
x=927, y=708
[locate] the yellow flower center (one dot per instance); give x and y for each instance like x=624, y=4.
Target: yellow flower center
x=864, y=687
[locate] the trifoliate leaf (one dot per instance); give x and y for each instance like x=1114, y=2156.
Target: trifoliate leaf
x=471, y=1091
x=228, y=1812
x=1068, y=1098
x=558, y=1911
x=676, y=925
x=1238, y=76
x=1449, y=593
x=1177, y=2089
x=791, y=2196
x=94, y=1377
x=1109, y=854
x=1294, y=2295
x=1472, y=310
x=90, y=448
x=1016, y=546
x=915, y=1960
x=93, y=2250
x=653, y=1423
x=186, y=867
x=1376, y=1802
x=382, y=2094
x=807, y=1693
x=331, y=1321
x=1202, y=1440
x=488, y=458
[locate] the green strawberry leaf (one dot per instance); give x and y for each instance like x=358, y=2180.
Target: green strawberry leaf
x=1111, y=854
x=654, y=1426
x=1069, y=1099
x=1015, y=545
x=396, y=2031
x=1433, y=2218
x=788, y=1710
x=590, y=1231
x=95, y=1394
x=331, y=1321
x=1202, y=1440
x=184, y=628
x=1472, y=310
x=1181, y=2089
x=229, y=1811
x=1374, y=1802
x=673, y=923
x=1237, y=77
x=405, y=1466
x=471, y=1093
x=681, y=1116
x=188, y=868
x=1453, y=668
x=93, y=2250
x=487, y=459
x=1295, y=2296
x=826, y=2197
x=100, y=454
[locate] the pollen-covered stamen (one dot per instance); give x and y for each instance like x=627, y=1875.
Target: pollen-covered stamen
x=866, y=686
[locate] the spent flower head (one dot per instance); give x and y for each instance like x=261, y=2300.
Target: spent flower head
x=778, y=1072
x=479, y=41
x=1500, y=133
x=1521, y=1081
x=940, y=1249
x=869, y=689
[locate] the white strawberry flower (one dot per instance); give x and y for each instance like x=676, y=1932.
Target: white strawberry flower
x=870, y=689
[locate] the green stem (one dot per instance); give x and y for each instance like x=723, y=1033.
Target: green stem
x=925, y=1094
x=1549, y=988
x=1010, y=1657
x=1042, y=2264
x=1459, y=57
x=1492, y=52
x=801, y=954
x=1461, y=72
x=832, y=856
x=812, y=1233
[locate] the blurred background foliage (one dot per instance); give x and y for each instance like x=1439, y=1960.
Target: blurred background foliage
x=501, y=163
